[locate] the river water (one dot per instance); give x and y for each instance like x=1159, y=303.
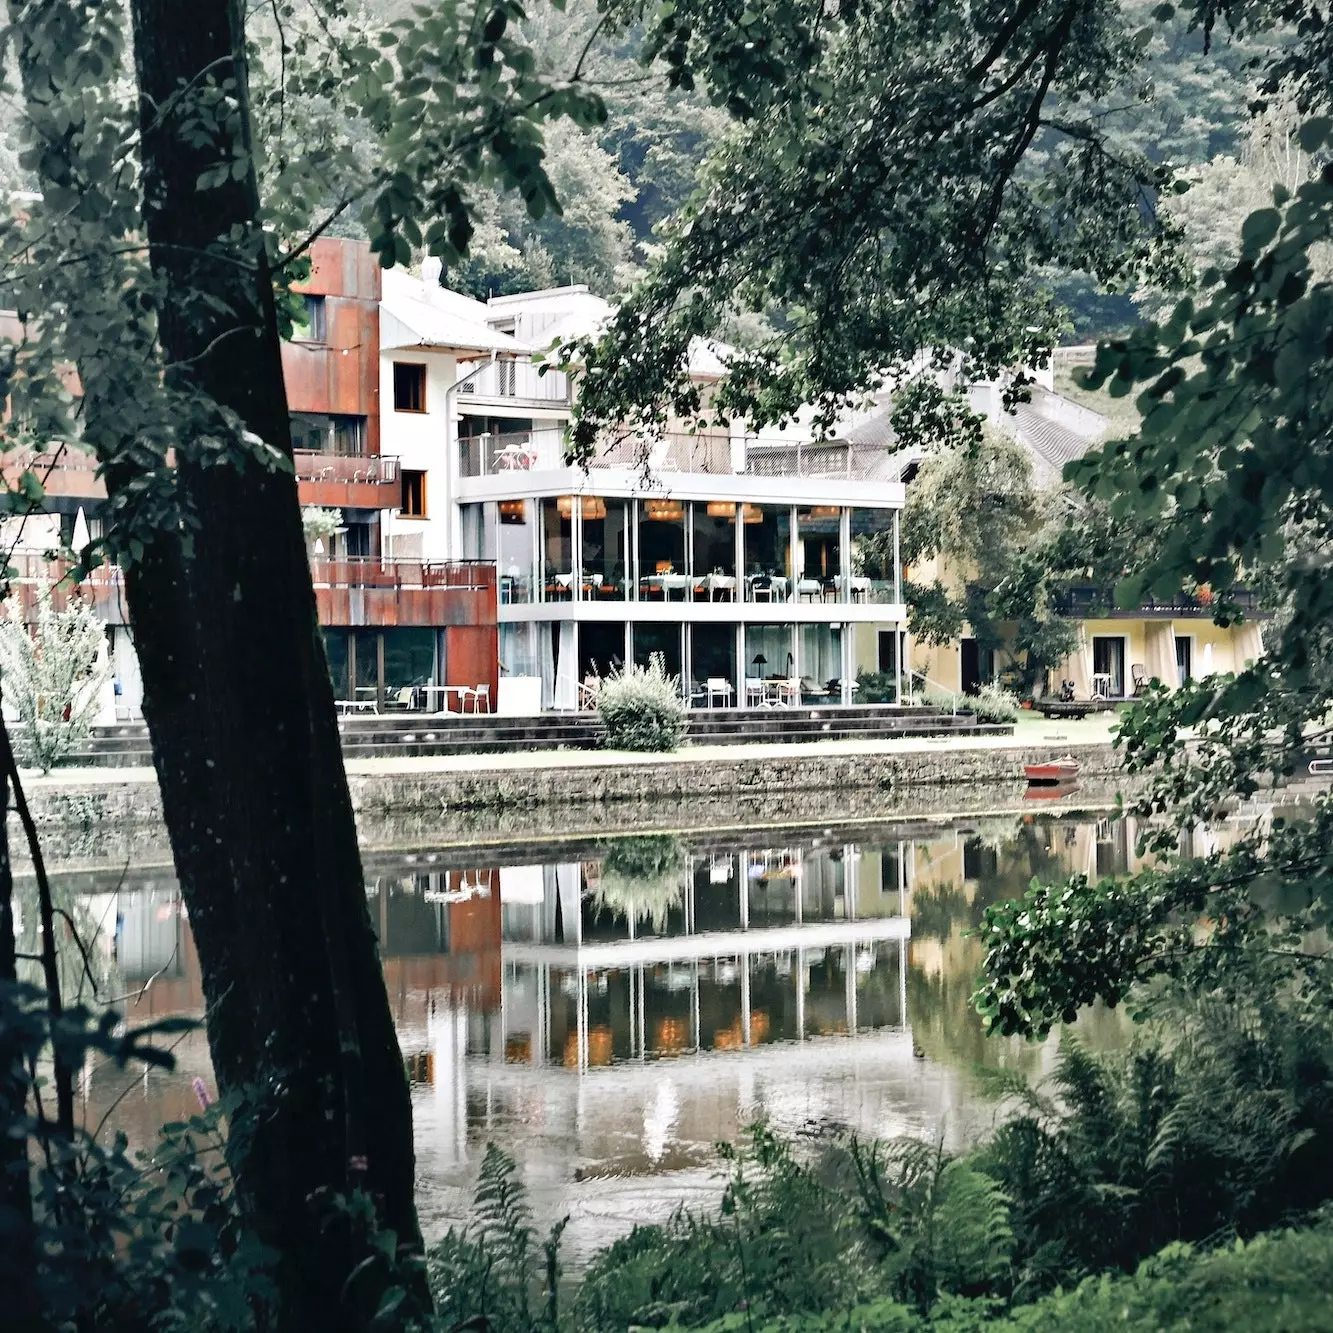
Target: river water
x=607, y=1011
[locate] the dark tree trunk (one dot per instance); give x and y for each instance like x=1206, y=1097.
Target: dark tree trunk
x=240, y=708
x=17, y=1265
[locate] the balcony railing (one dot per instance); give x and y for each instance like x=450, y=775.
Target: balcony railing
x=518, y=380
x=347, y=469
x=495, y=455
x=374, y=572
x=1090, y=602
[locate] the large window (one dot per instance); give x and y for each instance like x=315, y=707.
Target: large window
x=659, y=640
x=601, y=649
x=714, y=541
x=821, y=664
x=516, y=550
x=768, y=665
x=1108, y=661
x=713, y=665
x=872, y=573
x=557, y=542
x=663, y=569
x=819, y=530
x=322, y=434
x=767, y=535
x=409, y=387
x=606, y=549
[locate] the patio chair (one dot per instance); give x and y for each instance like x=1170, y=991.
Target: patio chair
x=403, y=700
x=718, y=687
x=761, y=588
x=754, y=691
x=1138, y=675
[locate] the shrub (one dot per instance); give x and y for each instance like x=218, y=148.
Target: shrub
x=641, y=708
x=53, y=677
x=993, y=703
x=876, y=687
x=934, y=696
x=642, y=878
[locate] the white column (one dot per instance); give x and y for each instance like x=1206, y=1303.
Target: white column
x=745, y=999
x=897, y=561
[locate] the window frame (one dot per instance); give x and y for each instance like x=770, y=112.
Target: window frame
x=417, y=475
x=418, y=370
x=316, y=322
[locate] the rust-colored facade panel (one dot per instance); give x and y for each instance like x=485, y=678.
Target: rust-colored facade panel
x=472, y=656
x=340, y=376
x=69, y=475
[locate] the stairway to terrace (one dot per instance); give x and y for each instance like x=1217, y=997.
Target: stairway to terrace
x=395, y=735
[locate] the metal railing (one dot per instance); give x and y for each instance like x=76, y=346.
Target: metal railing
x=346, y=469
x=496, y=455
x=375, y=572
x=1092, y=602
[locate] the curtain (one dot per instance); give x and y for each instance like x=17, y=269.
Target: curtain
x=1078, y=667
x=1159, y=648
x=1248, y=644
x=566, y=669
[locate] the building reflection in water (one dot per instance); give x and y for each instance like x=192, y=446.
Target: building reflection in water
x=609, y=1016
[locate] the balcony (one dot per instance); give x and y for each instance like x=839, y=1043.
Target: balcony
x=366, y=590
x=506, y=384
x=347, y=481
x=103, y=589
x=1094, y=603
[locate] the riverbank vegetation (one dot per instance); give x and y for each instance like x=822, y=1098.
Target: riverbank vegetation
x=177, y=201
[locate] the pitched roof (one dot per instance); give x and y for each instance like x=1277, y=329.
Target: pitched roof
x=416, y=314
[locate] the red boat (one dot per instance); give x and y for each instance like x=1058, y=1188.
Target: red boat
x=1064, y=769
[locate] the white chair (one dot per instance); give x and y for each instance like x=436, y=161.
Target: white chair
x=754, y=691
x=718, y=687
x=478, y=696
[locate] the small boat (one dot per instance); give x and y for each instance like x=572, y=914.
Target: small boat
x=1064, y=769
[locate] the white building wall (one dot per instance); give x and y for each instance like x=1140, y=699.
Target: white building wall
x=422, y=441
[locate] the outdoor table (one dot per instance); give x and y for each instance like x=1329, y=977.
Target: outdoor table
x=860, y=588
x=810, y=588
x=1101, y=684
x=444, y=690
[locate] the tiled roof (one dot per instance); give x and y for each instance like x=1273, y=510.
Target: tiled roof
x=1052, y=443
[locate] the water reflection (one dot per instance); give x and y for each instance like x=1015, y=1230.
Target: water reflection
x=608, y=1012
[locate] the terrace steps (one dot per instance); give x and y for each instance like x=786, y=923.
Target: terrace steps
x=399, y=735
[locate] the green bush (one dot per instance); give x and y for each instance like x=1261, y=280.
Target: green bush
x=641, y=708
x=876, y=687
x=993, y=703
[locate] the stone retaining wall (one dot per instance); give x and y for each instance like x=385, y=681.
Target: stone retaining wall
x=93, y=823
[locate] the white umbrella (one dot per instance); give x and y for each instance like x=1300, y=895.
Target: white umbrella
x=79, y=541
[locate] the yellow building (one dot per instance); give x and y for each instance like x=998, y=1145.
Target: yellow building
x=1117, y=651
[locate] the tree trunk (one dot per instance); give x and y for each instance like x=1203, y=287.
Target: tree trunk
x=236, y=690
x=240, y=705
x=17, y=1260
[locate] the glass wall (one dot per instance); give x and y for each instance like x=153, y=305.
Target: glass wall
x=477, y=527
x=409, y=659
x=605, y=548
x=713, y=665
x=518, y=654
x=821, y=663
x=767, y=534
x=663, y=567
x=819, y=531
x=601, y=649
x=516, y=550
x=337, y=653
x=557, y=542
x=713, y=537
x=872, y=555
x=664, y=639
x=769, y=662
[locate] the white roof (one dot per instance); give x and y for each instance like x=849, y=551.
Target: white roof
x=415, y=313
